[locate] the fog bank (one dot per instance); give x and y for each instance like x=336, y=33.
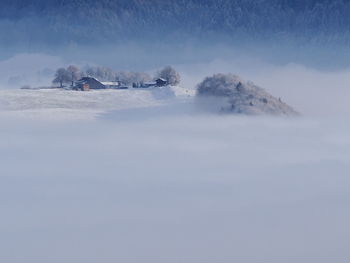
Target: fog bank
x=180, y=188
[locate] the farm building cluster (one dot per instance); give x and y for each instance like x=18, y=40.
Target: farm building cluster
x=90, y=83
x=98, y=78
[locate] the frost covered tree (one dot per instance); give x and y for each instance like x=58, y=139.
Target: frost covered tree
x=62, y=76
x=100, y=73
x=172, y=77
x=74, y=73
x=107, y=74
x=128, y=78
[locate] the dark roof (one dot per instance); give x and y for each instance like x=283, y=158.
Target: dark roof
x=93, y=82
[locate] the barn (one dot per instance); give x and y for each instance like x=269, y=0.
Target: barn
x=88, y=83
x=160, y=82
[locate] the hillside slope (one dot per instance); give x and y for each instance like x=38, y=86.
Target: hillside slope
x=57, y=22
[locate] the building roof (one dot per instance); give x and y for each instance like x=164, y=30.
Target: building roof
x=111, y=83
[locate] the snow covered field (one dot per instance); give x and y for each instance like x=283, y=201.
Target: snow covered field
x=58, y=104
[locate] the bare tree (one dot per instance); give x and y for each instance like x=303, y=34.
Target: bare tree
x=61, y=76
x=100, y=73
x=74, y=73
x=168, y=73
x=127, y=78
x=89, y=71
x=107, y=74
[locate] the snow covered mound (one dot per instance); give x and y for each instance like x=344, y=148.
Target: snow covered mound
x=229, y=93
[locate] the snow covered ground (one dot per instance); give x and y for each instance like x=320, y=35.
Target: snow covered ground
x=142, y=176
x=59, y=104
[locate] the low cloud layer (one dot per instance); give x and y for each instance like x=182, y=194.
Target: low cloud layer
x=180, y=188
x=27, y=69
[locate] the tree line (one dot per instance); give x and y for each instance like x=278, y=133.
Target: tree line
x=71, y=74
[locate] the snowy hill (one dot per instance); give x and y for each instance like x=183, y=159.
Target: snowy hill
x=229, y=93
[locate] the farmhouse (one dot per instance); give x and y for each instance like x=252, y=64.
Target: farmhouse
x=157, y=83
x=88, y=83
x=161, y=82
